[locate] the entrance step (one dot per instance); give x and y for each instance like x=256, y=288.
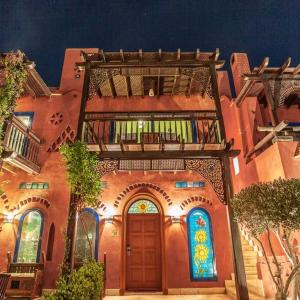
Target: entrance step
x=170, y=297
x=255, y=285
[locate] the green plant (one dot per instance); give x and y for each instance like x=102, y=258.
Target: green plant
x=86, y=283
x=82, y=172
x=273, y=208
x=12, y=77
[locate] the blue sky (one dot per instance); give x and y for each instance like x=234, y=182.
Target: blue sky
x=43, y=29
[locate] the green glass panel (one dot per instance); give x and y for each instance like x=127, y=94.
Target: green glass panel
x=143, y=207
x=30, y=237
x=85, y=237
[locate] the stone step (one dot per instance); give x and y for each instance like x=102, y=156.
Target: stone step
x=231, y=292
x=250, y=268
x=247, y=248
x=249, y=254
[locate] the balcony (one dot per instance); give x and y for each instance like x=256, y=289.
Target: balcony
x=147, y=134
x=21, y=147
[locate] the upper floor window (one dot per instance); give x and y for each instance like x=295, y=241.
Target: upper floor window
x=25, y=117
x=86, y=246
x=189, y=184
x=30, y=230
x=202, y=258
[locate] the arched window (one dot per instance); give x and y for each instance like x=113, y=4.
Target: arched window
x=202, y=258
x=143, y=207
x=50, y=242
x=86, y=246
x=29, y=240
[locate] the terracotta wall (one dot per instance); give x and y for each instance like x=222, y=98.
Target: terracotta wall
x=175, y=240
x=63, y=106
x=53, y=202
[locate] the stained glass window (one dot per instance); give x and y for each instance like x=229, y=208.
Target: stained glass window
x=143, y=207
x=29, y=237
x=86, y=246
x=202, y=261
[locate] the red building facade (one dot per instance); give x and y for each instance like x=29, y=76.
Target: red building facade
x=156, y=122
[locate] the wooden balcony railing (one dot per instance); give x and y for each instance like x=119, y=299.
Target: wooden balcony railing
x=159, y=131
x=21, y=146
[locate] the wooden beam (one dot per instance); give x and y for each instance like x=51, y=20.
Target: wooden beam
x=158, y=83
x=103, y=55
x=150, y=64
x=122, y=55
x=191, y=81
x=142, y=86
x=284, y=66
x=168, y=154
x=215, y=55
x=188, y=92
x=271, y=103
x=128, y=86
x=244, y=92
x=263, y=66
x=296, y=70
x=83, y=55
x=250, y=83
x=112, y=87
x=159, y=54
x=178, y=54
x=140, y=54
x=176, y=78
x=277, y=128
x=198, y=54
x=267, y=138
x=272, y=76
x=99, y=92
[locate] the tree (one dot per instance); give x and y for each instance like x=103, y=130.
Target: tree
x=85, y=189
x=273, y=207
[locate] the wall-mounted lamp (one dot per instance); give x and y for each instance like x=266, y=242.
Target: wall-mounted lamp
x=109, y=219
x=8, y=218
x=175, y=219
x=175, y=213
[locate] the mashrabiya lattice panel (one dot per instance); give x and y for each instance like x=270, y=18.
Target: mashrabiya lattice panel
x=202, y=261
x=211, y=169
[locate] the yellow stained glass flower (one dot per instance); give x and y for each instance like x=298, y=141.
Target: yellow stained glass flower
x=200, y=236
x=142, y=207
x=201, y=253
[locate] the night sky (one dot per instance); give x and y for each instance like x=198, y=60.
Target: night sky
x=43, y=29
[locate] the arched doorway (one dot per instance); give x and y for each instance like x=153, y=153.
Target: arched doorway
x=143, y=263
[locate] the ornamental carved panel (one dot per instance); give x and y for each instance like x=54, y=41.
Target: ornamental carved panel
x=98, y=77
x=107, y=166
x=210, y=169
x=203, y=76
x=283, y=88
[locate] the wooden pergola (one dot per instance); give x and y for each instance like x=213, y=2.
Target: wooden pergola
x=276, y=84
x=128, y=74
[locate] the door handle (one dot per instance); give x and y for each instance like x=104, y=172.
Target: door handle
x=128, y=250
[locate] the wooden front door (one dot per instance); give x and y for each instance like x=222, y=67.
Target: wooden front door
x=143, y=252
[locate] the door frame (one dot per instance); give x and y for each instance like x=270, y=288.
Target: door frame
x=124, y=232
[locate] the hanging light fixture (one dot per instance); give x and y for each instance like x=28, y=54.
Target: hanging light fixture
x=151, y=92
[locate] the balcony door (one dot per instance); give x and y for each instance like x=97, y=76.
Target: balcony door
x=143, y=247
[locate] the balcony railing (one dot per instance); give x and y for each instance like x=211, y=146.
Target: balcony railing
x=159, y=131
x=21, y=146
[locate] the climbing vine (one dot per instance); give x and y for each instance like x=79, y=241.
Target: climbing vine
x=12, y=77
x=82, y=173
